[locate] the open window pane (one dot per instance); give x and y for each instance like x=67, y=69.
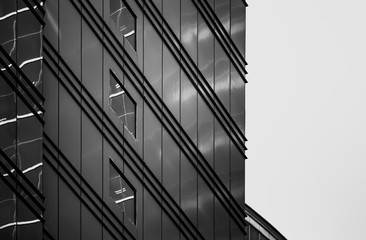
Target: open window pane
x=124, y=19
x=122, y=104
x=122, y=193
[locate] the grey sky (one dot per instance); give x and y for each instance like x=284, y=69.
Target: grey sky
x=306, y=116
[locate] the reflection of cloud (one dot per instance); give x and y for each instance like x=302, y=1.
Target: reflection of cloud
x=236, y=28
x=189, y=32
x=17, y=11
x=19, y=223
x=204, y=33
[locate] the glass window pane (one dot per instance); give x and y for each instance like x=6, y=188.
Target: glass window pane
x=122, y=104
x=122, y=192
x=124, y=19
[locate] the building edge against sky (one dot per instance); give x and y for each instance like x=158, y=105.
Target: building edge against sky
x=122, y=119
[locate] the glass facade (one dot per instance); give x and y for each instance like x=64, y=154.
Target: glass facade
x=122, y=104
x=122, y=119
x=21, y=120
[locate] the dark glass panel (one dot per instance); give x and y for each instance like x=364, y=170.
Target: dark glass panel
x=7, y=7
x=205, y=209
x=69, y=214
x=122, y=192
x=170, y=166
x=92, y=63
x=238, y=24
x=171, y=82
x=69, y=128
x=237, y=175
x=7, y=119
x=221, y=227
x=50, y=29
x=51, y=104
x=29, y=147
x=50, y=189
x=205, y=131
x=152, y=56
x=171, y=13
x=91, y=154
x=152, y=218
x=237, y=99
x=124, y=19
x=188, y=107
x=247, y=231
x=70, y=36
x=28, y=226
x=91, y=229
x=222, y=9
x=222, y=154
x=254, y=233
x=222, y=76
x=152, y=142
x=189, y=28
x=8, y=26
x=122, y=104
x=7, y=211
x=235, y=232
x=205, y=50
x=169, y=230
x=188, y=189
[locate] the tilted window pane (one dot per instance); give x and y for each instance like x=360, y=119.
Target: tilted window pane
x=122, y=104
x=124, y=19
x=122, y=193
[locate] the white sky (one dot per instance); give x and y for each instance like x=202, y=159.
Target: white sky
x=306, y=116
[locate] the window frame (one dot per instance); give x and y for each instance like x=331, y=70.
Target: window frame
x=132, y=45
x=114, y=75
x=130, y=185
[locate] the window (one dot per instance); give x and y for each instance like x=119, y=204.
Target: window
x=124, y=19
x=122, y=104
x=122, y=192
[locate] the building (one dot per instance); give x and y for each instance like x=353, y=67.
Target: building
x=258, y=228
x=122, y=119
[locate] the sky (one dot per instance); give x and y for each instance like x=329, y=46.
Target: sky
x=306, y=116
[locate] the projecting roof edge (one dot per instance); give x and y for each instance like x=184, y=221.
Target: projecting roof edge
x=254, y=218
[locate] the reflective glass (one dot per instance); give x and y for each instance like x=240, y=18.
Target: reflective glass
x=237, y=99
x=122, y=104
x=189, y=28
x=169, y=230
x=152, y=142
x=238, y=24
x=221, y=226
x=188, y=189
x=7, y=211
x=8, y=26
x=92, y=63
x=152, y=218
x=122, y=192
x=124, y=19
x=69, y=213
x=7, y=118
x=205, y=209
x=170, y=166
x=28, y=226
x=91, y=147
x=222, y=9
x=171, y=11
x=171, y=82
x=153, y=56
x=254, y=233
